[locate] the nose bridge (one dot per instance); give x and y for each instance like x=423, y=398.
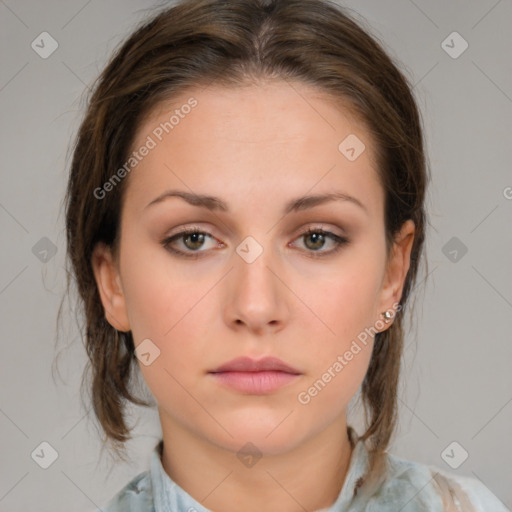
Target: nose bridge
x=257, y=294
x=253, y=259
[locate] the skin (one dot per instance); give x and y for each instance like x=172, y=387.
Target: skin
x=256, y=147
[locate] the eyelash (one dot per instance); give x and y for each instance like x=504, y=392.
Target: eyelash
x=339, y=240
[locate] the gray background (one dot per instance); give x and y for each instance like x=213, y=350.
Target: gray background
x=457, y=383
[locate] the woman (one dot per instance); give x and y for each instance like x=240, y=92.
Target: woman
x=245, y=221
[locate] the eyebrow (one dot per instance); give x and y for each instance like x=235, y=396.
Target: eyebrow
x=216, y=204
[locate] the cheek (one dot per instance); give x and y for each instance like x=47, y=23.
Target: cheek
x=341, y=335
x=345, y=303
x=156, y=295
x=170, y=308
x=335, y=382
x=342, y=352
x=166, y=309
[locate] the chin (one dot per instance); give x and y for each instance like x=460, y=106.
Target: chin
x=267, y=440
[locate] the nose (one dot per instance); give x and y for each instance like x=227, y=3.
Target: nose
x=256, y=297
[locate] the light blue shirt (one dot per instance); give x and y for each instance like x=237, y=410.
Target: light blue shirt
x=409, y=487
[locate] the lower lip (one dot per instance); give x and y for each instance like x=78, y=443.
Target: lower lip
x=255, y=383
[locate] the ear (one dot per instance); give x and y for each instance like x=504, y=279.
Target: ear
x=397, y=268
x=108, y=281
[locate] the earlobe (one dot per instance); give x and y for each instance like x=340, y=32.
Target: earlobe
x=108, y=282
x=398, y=266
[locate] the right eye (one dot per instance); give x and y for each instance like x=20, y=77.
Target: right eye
x=191, y=240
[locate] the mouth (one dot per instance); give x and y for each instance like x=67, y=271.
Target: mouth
x=255, y=377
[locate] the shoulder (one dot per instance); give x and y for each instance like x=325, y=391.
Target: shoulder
x=135, y=496
x=435, y=487
x=478, y=494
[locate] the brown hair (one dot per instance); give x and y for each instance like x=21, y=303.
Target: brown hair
x=232, y=43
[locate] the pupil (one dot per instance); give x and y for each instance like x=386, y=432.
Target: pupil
x=197, y=238
x=318, y=240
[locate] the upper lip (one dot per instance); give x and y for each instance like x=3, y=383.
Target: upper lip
x=246, y=364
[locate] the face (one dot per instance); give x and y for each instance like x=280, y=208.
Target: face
x=262, y=273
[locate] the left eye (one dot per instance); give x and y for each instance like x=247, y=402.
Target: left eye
x=193, y=240
x=315, y=239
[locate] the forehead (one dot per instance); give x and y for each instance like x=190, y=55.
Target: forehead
x=253, y=113
x=265, y=139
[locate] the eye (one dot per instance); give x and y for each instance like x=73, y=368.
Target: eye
x=316, y=239
x=192, y=239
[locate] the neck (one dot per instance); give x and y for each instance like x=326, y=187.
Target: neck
x=307, y=477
